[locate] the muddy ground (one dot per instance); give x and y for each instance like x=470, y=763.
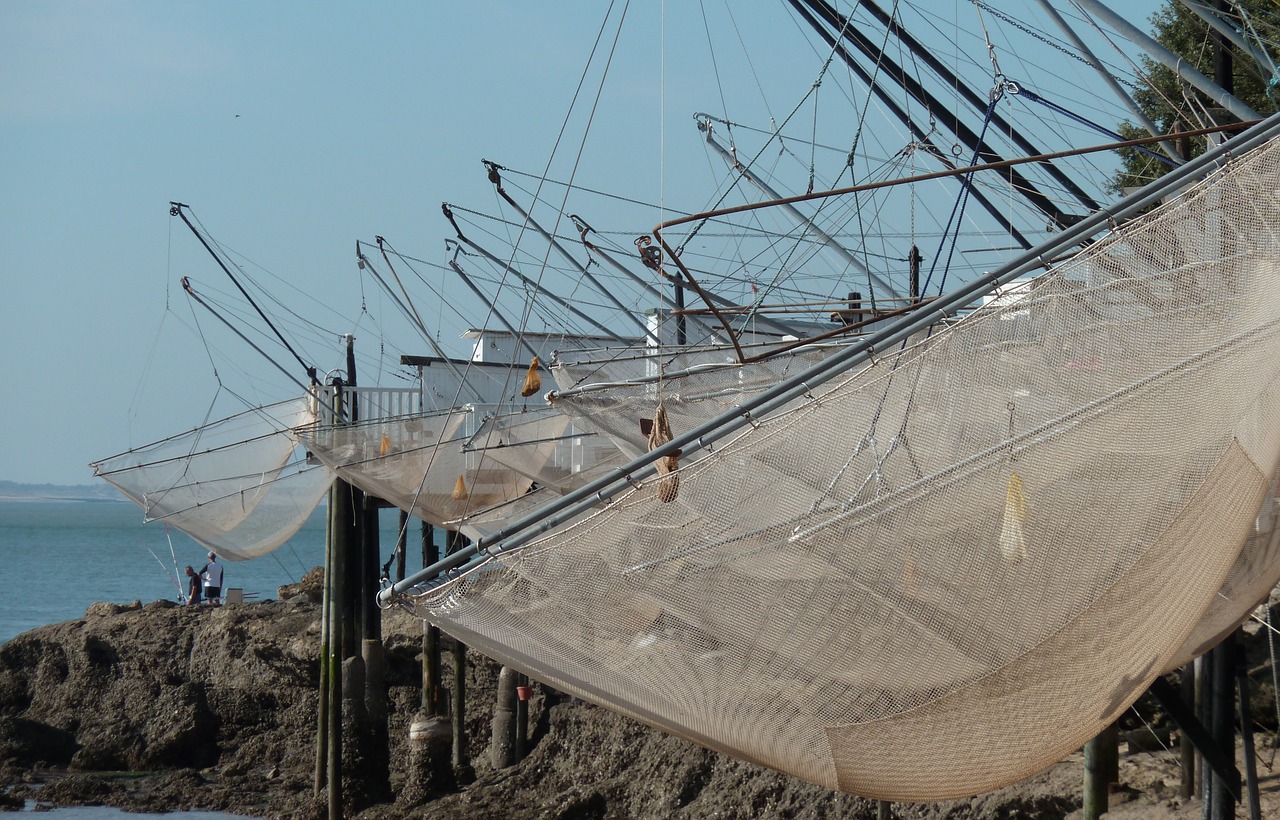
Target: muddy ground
x=161, y=707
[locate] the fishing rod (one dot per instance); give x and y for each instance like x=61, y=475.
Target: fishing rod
x=179, y=209
x=747, y=412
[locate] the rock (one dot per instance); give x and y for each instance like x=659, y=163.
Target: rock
x=164, y=707
x=31, y=743
x=310, y=587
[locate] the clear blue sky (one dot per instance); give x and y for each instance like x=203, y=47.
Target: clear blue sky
x=294, y=129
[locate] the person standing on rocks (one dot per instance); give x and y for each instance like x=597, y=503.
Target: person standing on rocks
x=212, y=576
x=193, y=586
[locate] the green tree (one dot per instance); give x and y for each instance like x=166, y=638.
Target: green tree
x=1174, y=105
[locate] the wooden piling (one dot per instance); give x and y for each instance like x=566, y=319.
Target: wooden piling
x=339, y=637
x=1224, y=731
x=1204, y=692
x=322, y=717
x=1098, y=754
x=522, y=719
x=1246, y=733
x=461, y=759
x=502, y=742
x=1186, y=749
x=402, y=545
x=431, y=678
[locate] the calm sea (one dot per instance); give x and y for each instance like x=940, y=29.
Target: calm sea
x=58, y=557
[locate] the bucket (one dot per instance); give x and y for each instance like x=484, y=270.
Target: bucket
x=524, y=692
x=235, y=595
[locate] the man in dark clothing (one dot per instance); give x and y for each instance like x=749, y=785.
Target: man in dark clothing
x=193, y=586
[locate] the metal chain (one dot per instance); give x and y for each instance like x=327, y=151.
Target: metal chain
x=1052, y=44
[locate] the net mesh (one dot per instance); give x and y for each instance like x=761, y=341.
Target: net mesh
x=417, y=463
x=237, y=485
x=547, y=446
x=953, y=567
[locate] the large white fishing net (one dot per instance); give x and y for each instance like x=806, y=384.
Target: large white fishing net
x=955, y=566
x=547, y=446
x=238, y=485
x=417, y=463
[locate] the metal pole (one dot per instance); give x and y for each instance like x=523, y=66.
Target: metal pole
x=592, y=248
x=519, y=337
x=1117, y=89
x=1171, y=61
x=1227, y=32
x=921, y=136
x=539, y=288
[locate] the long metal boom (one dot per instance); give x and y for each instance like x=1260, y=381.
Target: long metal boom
x=1171, y=61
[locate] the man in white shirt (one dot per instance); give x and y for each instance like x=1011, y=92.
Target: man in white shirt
x=212, y=577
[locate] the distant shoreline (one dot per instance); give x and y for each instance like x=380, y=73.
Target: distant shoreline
x=80, y=498
x=15, y=491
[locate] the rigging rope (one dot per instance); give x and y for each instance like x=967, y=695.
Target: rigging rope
x=1019, y=90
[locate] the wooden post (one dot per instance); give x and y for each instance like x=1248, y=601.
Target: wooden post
x=522, y=720
x=352, y=612
x=374, y=656
x=322, y=728
x=431, y=678
x=1204, y=694
x=1098, y=754
x=461, y=760
x=339, y=637
x=1246, y=733
x=402, y=545
x=1224, y=730
x=431, y=732
x=1186, y=748
x=502, y=742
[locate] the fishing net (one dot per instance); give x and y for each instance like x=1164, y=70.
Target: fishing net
x=417, y=463
x=577, y=369
x=1250, y=581
x=956, y=565
x=699, y=395
x=547, y=446
x=290, y=498
x=227, y=484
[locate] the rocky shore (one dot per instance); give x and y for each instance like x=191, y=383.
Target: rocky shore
x=161, y=707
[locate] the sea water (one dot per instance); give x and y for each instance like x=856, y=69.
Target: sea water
x=58, y=557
